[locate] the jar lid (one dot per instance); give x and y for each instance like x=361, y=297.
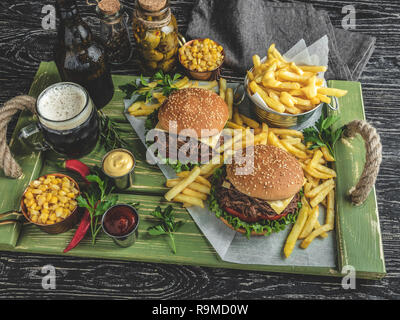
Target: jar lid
x=152, y=5
x=109, y=6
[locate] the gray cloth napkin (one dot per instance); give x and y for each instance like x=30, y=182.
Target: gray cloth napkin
x=245, y=28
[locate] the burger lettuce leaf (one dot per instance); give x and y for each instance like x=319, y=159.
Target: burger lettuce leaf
x=260, y=226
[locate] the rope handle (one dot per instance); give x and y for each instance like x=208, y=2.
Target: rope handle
x=373, y=159
x=7, y=162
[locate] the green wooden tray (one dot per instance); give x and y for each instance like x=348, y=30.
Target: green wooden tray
x=358, y=233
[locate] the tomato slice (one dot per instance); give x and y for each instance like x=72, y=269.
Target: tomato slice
x=248, y=219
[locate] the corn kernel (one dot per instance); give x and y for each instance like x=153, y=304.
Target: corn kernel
x=53, y=200
x=28, y=195
x=59, y=211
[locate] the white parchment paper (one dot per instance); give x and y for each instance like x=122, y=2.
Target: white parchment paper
x=234, y=247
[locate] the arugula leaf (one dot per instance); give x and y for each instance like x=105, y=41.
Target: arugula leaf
x=322, y=135
x=160, y=82
x=168, y=224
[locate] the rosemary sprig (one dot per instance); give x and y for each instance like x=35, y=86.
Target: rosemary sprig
x=110, y=133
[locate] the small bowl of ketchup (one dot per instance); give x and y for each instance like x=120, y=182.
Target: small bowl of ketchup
x=121, y=222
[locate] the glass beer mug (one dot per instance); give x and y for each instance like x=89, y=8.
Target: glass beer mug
x=68, y=121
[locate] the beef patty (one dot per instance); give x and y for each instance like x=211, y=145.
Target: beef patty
x=250, y=209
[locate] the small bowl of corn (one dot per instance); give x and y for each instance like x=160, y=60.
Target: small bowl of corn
x=50, y=203
x=202, y=59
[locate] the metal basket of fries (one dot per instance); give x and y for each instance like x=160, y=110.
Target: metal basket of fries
x=286, y=95
x=284, y=120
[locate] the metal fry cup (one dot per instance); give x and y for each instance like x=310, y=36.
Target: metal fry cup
x=125, y=181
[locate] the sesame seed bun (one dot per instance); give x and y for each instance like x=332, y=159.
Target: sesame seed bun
x=275, y=175
x=196, y=109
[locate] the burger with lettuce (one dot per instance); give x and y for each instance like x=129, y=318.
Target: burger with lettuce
x=261, y=199
x=197, y=117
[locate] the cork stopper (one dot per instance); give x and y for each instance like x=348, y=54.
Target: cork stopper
x=152, y=5
x=109, y=6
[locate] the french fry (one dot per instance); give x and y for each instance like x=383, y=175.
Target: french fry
x=181, y=83
x=315, y=159
x=189, y=200
x=228, y=145
x=195, y=186
x=274, y=140
x=256, y=60
x=139, y=113
x=135, y=106
x=321, y=195
x=324, y=98
x=184, y=183
x=309, y=225
x=265, y=129
x=330, y=209
x=206, y=168
x=277, y=106
x=332, y=92
x=315, y=173
x=199, y=179
x=229, y=101
x=186, y=205
x=293, y=150
x=151, y=107
x=327, y=155
x=314, y=181
x=234, y=125
x=306, y=242
x=250, y=76
x=289, y=132
x=292, y=140
x=324, y=169
x=260, y=137
x=316, y=226
x=213, y=169
x=250, y=122
x=236, y=117
x=194, y=194
x=315, y=191
x=314, y=69
x=295, y=232
x=222, y=87
x=210, y=85
x=287, y=99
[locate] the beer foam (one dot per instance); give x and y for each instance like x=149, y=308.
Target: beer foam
x=62, y=107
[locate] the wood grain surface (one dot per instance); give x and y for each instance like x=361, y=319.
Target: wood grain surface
x=23, y=44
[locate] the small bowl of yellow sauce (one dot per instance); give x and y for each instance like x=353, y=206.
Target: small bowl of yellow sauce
x=119, y=165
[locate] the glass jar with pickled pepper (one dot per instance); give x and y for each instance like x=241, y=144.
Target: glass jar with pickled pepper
x=156, y=33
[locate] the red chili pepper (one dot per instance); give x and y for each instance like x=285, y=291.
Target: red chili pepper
x=80, y=232
x=77, y=166
x=83, y=170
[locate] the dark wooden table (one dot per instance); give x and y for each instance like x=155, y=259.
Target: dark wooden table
x=23, y=44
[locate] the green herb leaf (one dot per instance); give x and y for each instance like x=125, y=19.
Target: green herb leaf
x=168, y=224
x=322, y=135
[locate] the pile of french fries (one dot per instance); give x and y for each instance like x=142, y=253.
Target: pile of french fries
x=191, y=188
x=286, y=87
x=141, y=108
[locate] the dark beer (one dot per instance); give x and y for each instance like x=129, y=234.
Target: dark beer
x=80, y=57
x=68, y=119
